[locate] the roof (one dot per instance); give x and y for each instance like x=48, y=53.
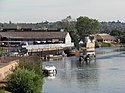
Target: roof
x=34, y=34
x=104, y=36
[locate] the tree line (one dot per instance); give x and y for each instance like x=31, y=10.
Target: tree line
x=84, y=26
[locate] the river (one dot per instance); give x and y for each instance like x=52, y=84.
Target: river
x=105, y=75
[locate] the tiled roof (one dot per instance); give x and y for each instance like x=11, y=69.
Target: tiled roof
x=33, y=34
x=104, y=36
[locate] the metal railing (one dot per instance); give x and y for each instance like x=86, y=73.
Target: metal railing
x=42, y=46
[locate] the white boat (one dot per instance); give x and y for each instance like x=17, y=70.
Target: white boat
x=55, y=57
x=51, y=76
x=49, y=69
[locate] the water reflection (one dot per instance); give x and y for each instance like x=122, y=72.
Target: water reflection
x=74, y=74
x=51, y=76
x=105, y=75
x=106, y=50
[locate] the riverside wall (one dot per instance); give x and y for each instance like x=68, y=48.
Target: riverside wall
x=7, y=68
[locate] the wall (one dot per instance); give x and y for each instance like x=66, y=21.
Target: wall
x=8, y=68
x=68, y=39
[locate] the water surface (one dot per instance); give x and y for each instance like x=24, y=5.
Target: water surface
x=105, y=75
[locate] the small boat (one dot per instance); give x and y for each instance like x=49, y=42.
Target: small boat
x=87, y=56
x=55, y=57
x=72, y=52
x=49, y=69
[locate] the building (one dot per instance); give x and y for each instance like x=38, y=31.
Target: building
x=44, y=26
x=16, y=27
x=89, y=45
x=36, y=40
x=105, y=38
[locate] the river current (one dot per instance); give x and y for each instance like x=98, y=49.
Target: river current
x=104, y=75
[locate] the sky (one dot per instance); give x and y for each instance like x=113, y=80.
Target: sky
x=18, y=11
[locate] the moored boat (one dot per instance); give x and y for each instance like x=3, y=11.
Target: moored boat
x=55, y=57
x=49, y=69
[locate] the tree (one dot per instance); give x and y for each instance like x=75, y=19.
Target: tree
x=86, y=26
x=68, y=24
x=1, y=51
x=27, y=78
x=75, y=39
x=117, y=32
x=120, y=34
x=25, y=81
x=31, y=63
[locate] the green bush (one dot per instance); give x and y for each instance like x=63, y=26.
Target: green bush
x=1, y=51
x=25, y=81
x=31, y=65
x=2, y=91
x=103, y=44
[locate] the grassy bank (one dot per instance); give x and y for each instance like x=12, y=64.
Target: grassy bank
x=27, y=78
x=103, y=44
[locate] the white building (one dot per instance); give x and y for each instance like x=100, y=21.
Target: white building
x=38, y=40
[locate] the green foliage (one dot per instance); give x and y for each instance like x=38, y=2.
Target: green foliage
x=68, y=24
x=27, y=78
x=86, y=26
x=91, y=38
x=103, y=44
x=25, y=81
x=31, y=64
x=116, y=32
x=122, y=39
x=75, y=39
x=1, y=51
x=2, y=91
x=119, y=33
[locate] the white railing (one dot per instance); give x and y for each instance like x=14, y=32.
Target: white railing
x=43, y=46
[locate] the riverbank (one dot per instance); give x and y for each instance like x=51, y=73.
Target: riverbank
x=32, y=63
x=6, y=68
x=104, y=44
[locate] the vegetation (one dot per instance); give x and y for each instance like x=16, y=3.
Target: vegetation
x=91, y=38
x=103, y=44
x=119, y=33
x=108, y=27
x=25, y=81
x=86, y=26
x=75, y=39
x=116, y=29
x=2, y=91
x=1, y=51
x=68, y=24
x=31, y=63
x=122, y=39
x=80, y=27
x=27, y=78
x=116, y=32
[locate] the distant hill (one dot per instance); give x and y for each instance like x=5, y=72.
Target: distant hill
x=107, y=27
